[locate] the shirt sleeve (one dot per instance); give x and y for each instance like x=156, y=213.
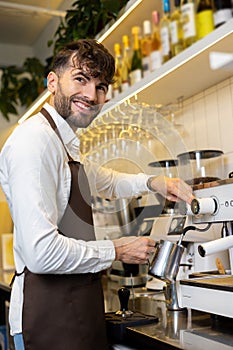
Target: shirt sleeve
x=33, y=172
x=112, y=184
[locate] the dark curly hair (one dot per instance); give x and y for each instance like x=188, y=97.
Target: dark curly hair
x=87, y=53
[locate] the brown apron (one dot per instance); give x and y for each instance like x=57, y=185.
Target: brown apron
x=66, y=311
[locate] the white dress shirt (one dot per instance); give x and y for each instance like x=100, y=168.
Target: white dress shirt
x=35, y=177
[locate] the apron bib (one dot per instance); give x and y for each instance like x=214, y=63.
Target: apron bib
x=66, y=311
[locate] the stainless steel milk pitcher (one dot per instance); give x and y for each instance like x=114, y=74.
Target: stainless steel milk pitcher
x=166, y=260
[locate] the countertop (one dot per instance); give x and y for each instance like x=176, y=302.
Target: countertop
x=186, y=329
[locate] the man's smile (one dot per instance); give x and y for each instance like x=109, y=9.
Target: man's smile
x=81, y=105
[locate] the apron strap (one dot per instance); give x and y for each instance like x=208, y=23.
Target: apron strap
x=16, y=274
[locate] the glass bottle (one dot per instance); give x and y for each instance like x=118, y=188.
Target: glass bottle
x=188, y=13
x=156, y=54
x=165, y=31
x=222, y=12
x=116, y=89
x=126, y=63
x=176, y=28
x=146, y=47
x=136, y=65
x=204, y=18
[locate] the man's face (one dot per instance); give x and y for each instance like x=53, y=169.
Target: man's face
x=77, y=96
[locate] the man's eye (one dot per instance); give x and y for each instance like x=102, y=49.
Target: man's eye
x=102, y=89
x=80, y=79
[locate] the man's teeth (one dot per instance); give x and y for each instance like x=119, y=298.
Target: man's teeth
x=81, y=105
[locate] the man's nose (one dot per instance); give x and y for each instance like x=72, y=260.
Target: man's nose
x=89, y=91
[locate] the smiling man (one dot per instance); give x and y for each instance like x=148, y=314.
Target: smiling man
x=79, y=94
x=57, y=299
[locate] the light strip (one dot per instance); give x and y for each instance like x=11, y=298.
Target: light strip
x=36, y=104
x=36, y=9
x=119, y=20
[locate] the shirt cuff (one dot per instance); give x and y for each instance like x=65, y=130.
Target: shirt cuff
x=107, y=253
x=148, y=183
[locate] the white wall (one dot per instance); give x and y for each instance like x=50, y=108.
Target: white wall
x=207, y=120
x=41, y=49
x=14, y=54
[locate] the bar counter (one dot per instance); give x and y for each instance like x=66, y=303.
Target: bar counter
x=186, y=329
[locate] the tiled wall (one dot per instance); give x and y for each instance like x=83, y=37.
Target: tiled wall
x=207, y=120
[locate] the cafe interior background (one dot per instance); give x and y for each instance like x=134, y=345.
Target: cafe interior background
x=202, y=121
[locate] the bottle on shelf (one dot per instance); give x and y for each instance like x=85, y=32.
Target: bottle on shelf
x=116, y=88
x=126, y=63
x=188, y=13
x=146, y=47
x=136, y=64
x=222, y=12
x=176, y=28
x=165, y=31
x=156, y=54
x=204, y=18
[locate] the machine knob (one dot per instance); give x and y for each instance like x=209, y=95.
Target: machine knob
x=204, y=206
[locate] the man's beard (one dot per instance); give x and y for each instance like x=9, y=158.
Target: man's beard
x=62, y=104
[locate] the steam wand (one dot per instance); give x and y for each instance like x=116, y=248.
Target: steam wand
x=194, y=228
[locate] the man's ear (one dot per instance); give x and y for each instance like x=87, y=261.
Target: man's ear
x=52, y=80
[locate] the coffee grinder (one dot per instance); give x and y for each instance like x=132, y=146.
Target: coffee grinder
x=166, y=167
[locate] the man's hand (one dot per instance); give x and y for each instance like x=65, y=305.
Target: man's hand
x=174, y=189
x=134, y=250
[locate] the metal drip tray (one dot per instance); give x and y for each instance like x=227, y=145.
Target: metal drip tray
x=211, y=294
x=218, y=282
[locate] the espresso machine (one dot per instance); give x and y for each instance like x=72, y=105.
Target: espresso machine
x=212, y=292
x=177, y=257
x=198, y=167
